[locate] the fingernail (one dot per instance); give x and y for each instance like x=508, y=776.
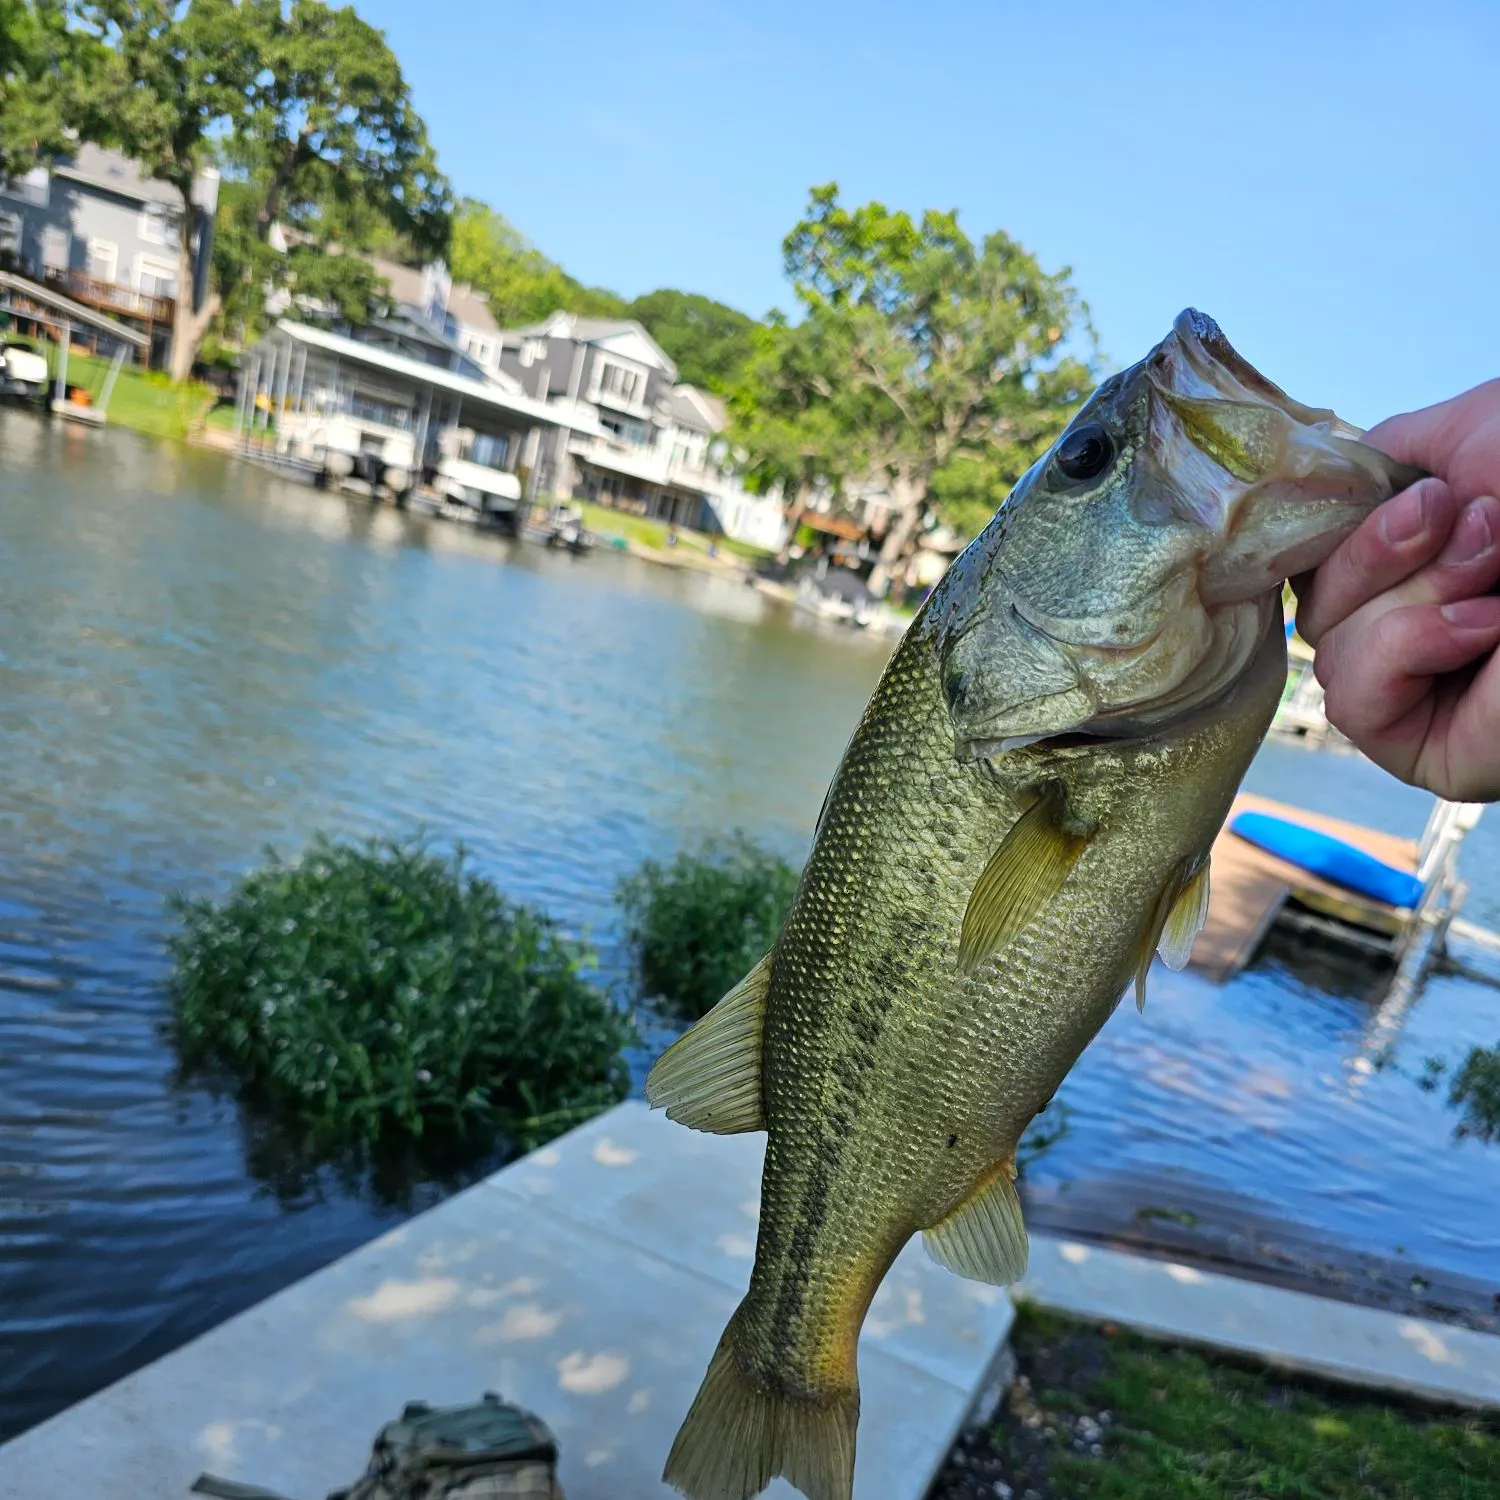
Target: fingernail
x=1406, y=517
x=1472, y=537
x=1474, y=614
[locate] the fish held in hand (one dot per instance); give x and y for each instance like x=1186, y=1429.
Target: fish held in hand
x=1023, y=817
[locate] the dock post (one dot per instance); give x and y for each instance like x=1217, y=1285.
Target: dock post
x=61, y=392
x=242, y=396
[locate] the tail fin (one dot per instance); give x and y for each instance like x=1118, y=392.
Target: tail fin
x=739, y=1436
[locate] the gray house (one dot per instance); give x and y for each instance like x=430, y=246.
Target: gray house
x=94, y=227
x=660, y=450
x=615, y=366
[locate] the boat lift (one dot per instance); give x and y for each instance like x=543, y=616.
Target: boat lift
x=61, y=315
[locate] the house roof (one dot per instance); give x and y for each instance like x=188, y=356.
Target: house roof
x=590, y=331
x=407, y=284
x=690, y=407
x=98, y=166
x=351, y=351
x=472, y=309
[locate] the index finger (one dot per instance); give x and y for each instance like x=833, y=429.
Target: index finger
x=1429, y=438
x=1396, y=541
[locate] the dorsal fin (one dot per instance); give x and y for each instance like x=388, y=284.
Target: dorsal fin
x=709, y=1078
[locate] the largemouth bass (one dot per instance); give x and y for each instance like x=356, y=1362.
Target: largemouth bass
x=1023, y=817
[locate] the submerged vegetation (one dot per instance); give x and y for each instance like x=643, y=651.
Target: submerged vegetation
x=699, y=924
x=1100, y=1415
x=382, y=993
x=1476, y=1091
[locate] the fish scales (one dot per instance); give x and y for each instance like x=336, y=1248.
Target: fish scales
x=1023, y=814
x=858, y=1154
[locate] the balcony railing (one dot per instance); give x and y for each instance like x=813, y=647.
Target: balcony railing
x=111, y=298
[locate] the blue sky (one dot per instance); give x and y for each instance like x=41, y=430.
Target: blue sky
x=1322, y=178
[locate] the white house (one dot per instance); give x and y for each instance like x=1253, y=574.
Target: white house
x=661, y=453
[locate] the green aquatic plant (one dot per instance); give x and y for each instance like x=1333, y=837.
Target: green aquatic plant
x=699, y=924
x=380, y=992
x=1476, y=1090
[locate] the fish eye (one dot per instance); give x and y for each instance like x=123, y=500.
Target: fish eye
x=1085, y=452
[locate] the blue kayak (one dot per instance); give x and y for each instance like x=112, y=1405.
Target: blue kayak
x=1322, y=854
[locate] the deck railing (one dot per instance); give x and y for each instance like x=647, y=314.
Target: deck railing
x=112, y=298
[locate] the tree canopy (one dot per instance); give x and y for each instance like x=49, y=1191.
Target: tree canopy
x=923, y=362
x=522, y=285
x=710, y=344
x=302, y=102
x=39, y=61
x=332, y=136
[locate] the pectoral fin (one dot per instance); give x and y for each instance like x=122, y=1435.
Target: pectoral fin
x=709, y=1078
x=1180, y=913
x=1024, y=873
x=984, y=1238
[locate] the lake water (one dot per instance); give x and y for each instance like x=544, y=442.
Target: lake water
x=198, y=660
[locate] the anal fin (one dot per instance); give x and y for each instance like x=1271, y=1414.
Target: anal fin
x=984, y=1238
x=1022, y=876
x=709, y=1078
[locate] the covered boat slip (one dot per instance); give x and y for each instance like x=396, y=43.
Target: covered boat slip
x=301, y=372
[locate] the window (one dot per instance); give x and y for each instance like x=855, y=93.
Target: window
x=381, y=413
x=533, y=350
x=625, y=431
x=32, y=188
x=156, y=225
x=156, y=278
x=104, y=260
x=490, y=450
x=617, y=381
x=10, y=233
x=56, y=244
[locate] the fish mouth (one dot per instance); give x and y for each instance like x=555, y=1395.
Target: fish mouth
x=1206, y=358
x=1197, y=363
x=1128, y=729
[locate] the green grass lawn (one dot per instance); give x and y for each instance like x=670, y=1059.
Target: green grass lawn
x=603, y=521
x=145, y=400
x=1094, y=1417
x=221, y=418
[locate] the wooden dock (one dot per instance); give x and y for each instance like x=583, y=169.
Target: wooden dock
x=1249, y=888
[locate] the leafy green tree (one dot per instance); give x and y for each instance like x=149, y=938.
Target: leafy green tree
x=522, y=285
x=309, y=99
x=40, y=61
x=941, y=363
x=710, y=344
x=785, y=421
x=247, y=270
x=332, y=126
x=172, y=78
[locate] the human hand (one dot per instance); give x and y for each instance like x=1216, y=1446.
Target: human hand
x=1403, y=618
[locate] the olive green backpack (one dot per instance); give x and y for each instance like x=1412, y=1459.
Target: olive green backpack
x=486, y=1451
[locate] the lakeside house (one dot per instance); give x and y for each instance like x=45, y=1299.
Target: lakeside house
x=620, y=429
x=93, y=226
x=659, y=451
